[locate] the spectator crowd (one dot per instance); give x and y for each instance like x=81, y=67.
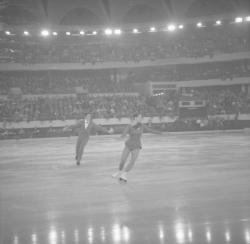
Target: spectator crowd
x=203, y=71
x=63, y=82
x=190, y=43
x=65, y=102
x=110, y=81
x=227, y=100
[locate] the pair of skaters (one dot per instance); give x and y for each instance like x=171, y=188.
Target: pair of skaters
x=132, y=145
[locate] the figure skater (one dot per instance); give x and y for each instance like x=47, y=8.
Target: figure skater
x=132, y=146
x=85, y=127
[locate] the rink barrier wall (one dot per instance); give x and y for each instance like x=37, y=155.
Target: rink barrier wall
x=125, y=65
x=108, y=122
x=172, y=133
x=117, y=94
x=199, y=83
x=60, y=123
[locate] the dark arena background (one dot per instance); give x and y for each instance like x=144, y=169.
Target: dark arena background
x=184, y=65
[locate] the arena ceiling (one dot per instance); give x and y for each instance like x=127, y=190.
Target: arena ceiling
x=116, y=12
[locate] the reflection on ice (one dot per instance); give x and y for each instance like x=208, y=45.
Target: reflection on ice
x=126, y=234
x=53, y=237
x=190, y=235
x=16, y=239
x=34, y=238
x=90, y=235
x=180, y=232
x=208, y=235
x=247, y=236
x=116, y=233
x=228, y=236
x=76, y=236
x=161, y=232
x=63, y=237
x=103, y=234
x=120, y=234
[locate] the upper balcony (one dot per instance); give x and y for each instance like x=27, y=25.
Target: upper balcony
x=112, y=48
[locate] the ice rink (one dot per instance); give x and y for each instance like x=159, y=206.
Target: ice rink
x=192, y=188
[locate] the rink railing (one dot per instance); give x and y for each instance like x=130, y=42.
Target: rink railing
x=130, y=64
x=108, y=122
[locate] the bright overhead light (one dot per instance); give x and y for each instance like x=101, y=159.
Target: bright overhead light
x=68, y=33
x=82, y=32
x=94, y=33
x=199, y=24
x=26, y=33
x=247, y=18
x=54, y=33
x=108, y=32
x=181, y=27
x=238, y=20
x=118, y=31
x=152, y=29
x=45, y=33
x=7, y=33
x=171, y=27
x=218, y=22
x=135, y=30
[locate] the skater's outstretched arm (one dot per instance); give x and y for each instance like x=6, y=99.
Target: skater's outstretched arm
x=125, y=132
x=101, y=128
x=151, y=130
x=74, y=126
